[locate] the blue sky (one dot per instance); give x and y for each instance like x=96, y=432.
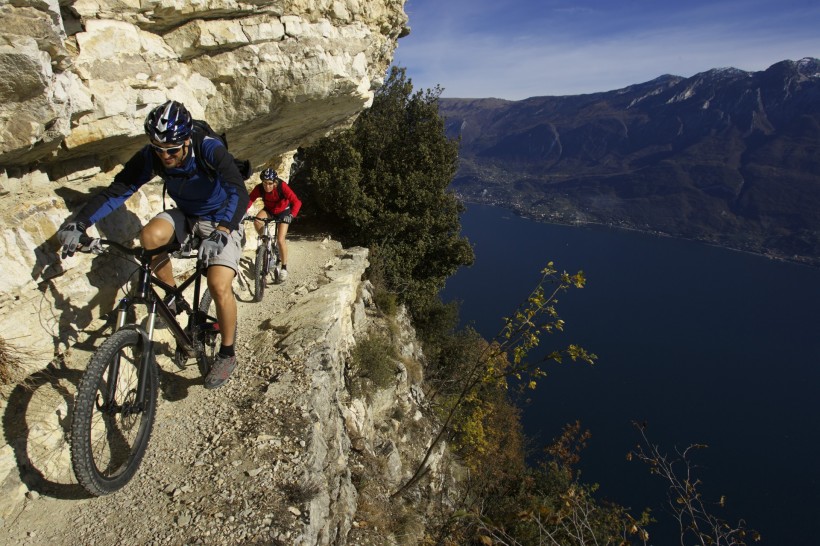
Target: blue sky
x=514, y=49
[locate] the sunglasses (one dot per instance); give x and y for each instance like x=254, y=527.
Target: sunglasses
x=171, y=151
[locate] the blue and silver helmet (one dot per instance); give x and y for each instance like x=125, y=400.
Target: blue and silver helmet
x=268, y=174
x=169, y=123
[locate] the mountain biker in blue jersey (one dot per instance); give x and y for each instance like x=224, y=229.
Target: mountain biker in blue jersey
x=211, y=203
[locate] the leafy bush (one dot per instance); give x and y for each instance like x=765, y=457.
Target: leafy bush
x=375, y=359
x=383, y=183
x=386, y=301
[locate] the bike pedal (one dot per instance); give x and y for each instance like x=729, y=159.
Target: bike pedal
x=180, y=358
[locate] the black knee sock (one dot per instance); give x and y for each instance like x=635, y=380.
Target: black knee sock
x=227, y=350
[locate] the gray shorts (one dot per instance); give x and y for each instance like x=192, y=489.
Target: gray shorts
x=185, y=227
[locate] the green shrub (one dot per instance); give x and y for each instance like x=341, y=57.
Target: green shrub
x=390, y=173
x=375, y=358
x=386, y=301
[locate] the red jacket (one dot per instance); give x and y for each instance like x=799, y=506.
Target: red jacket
x=277, y=200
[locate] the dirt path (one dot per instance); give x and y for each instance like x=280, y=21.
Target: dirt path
x=221, y=467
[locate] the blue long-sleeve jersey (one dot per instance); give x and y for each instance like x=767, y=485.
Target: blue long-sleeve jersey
x=219, y=195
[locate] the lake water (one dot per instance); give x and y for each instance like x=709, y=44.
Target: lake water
x=705, y=344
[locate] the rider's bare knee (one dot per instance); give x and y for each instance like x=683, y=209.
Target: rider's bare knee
x=156, y=233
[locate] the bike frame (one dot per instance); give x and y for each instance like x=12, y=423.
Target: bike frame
x=268, y=238
x=146, y=293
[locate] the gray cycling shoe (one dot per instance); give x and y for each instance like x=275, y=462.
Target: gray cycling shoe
x=221, y=370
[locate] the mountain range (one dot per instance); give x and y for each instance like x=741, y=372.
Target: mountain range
x=726, y=156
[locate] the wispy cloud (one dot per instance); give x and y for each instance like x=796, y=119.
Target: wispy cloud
x=556, y=50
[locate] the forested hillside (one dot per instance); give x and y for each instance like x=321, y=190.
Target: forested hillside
x=726, y=156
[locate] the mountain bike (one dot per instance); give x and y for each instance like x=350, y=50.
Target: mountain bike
x=267, y=256
x=116, y=399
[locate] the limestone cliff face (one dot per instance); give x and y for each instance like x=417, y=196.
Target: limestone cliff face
x=80, y=76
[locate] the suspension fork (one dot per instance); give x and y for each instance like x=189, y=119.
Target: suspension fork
x=265, y=239
x=122, y=312
x=146, y=345
x=146, y=350
x=114, y=370
x=147, y=353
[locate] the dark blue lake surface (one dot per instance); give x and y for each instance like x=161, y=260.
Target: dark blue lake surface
x=706, y=344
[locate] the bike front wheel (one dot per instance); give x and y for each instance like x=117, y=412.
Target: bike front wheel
x=274, y=271
x=260, y=271
x=110, y=427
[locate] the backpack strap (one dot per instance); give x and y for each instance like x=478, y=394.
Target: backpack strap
x=197, y=138
x=200, y=132
x=279, y=192
x=156, y=168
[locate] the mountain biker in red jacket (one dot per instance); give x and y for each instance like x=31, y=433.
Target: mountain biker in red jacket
x=208, y=203
x=279, y=202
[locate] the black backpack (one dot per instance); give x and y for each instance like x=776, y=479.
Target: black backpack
x=201, y=130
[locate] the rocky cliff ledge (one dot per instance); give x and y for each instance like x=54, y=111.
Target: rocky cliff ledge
x=284, y=453
x=81, y=75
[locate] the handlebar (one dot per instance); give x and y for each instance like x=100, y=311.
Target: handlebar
x=267, y=220
x=95, y=244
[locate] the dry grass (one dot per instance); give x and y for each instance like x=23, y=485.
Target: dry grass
x=300, y=492
x=415, y=372
x=377, y=514
x=11, y=360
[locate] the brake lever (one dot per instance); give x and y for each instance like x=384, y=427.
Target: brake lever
x=95, y=247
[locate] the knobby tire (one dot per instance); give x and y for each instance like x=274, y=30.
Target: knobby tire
x=276, y=262
x=107, y=447
x=260, y=271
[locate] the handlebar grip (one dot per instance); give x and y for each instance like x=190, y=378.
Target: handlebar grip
x=90, y=244
x=267, y=220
